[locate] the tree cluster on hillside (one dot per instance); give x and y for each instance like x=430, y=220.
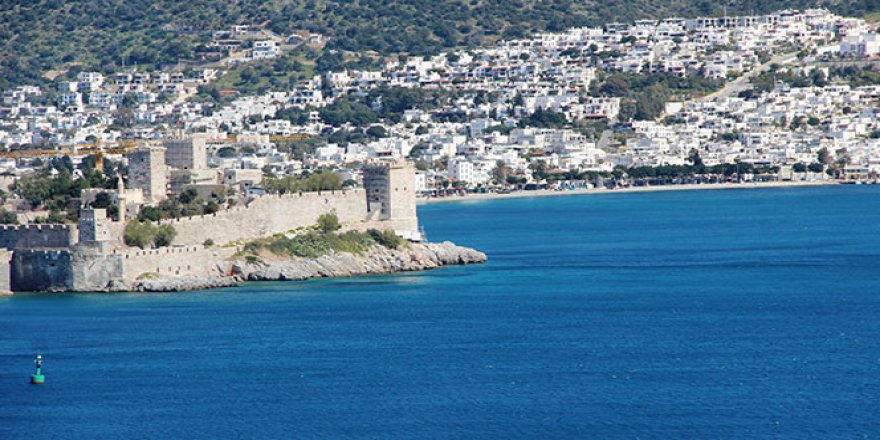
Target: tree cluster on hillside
x=857, y=77
x=766, y=81
x=544, y=119
x=644, y=97
x=388, y=103
x=42, y=35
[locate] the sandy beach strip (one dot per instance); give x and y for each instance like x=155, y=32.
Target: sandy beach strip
x=633, y=189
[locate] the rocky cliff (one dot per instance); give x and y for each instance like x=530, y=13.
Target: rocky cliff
x=376, y=260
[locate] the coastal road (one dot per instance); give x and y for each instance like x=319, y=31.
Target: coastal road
x=743, y=82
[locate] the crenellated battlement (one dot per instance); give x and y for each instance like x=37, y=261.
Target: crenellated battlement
x=34, y=228
x=38, y=236
x=387, y=164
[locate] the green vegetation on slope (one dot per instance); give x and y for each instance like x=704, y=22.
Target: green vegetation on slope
x=323, y=240
x=644, y=97
x=41, y=35
x=259, y=77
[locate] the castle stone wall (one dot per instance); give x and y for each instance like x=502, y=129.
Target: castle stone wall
x=41, y=270
x=176, y=260
x=271, y=214
x=96, y=269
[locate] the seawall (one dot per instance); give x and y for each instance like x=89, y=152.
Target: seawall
x=37, y=270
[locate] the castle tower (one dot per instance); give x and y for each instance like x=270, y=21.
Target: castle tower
x=94, y=225
x=186, y=152
x=146, y=171
x=391, y=193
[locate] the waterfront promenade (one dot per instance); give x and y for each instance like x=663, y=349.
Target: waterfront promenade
x=630, y=189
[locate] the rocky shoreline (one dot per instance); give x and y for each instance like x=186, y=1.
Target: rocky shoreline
x=377, y=260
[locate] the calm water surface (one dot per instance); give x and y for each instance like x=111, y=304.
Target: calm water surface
x=708, y=314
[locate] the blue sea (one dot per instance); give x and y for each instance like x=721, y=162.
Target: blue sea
x=689, y=314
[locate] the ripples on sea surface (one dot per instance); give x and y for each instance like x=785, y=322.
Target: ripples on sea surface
x=693, y=314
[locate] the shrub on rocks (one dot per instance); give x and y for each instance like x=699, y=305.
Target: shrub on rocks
x=328, y=223
x=386, y=238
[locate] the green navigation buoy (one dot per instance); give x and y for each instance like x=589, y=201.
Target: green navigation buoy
x=37, y=378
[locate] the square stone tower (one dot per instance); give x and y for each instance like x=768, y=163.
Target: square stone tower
x=147, y=171
x=94, y=225
x=186, y=152
x=391, y=193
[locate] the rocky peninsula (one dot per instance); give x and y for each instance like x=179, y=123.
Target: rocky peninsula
x=374, y=260
x=284, y=235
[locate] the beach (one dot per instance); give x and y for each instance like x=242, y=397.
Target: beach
x=631, y=189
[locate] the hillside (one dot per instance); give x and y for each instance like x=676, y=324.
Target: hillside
x=41, y=35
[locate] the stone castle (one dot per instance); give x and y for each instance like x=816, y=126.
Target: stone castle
x=91, y=256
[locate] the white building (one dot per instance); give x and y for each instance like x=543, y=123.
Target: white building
x=461, y=170
x=265, y=49
x=861, y=46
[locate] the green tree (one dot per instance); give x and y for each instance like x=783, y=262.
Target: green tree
x=544, y=119
x=328, y=223
x=824, y=156
x=377, y=131
x=227, y=152
x=8, y=217
x=210, y=208
x=615, y=86
x=102, y=201
x=140, y=234
x=189, y=195
x=386, y=238
x=501, y=171
x=150, y=213
x=164, y=235
x=349, y=111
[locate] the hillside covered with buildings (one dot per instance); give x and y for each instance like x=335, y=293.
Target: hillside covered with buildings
x=116, y=166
